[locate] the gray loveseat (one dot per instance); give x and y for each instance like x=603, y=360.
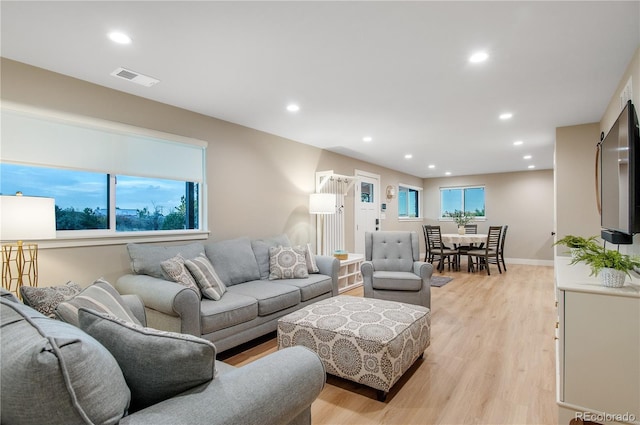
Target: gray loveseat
x=55, y=373
x=252, y=304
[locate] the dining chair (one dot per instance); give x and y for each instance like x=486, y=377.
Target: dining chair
x=491, y=251
x=502, y=238
x=437, y=250
x=469, y=229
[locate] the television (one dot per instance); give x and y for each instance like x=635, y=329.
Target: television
x=619, y=178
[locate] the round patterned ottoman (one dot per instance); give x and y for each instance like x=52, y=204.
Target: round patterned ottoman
x=365, y=340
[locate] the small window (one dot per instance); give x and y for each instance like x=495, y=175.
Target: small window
x=471, y=200
x=409, y=201
x=366, y=193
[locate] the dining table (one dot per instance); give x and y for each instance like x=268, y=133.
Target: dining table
x=468, y=239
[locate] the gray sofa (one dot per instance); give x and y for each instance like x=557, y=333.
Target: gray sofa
x=55, y=373
x=252, y=303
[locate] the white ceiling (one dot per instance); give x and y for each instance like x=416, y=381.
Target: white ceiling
x=395, y=71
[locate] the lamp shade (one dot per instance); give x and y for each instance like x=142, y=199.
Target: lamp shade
x=322, y=203
x=27, y=218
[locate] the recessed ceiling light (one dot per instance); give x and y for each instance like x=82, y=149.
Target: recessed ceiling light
x=531, y=166
x=293, y=107
x=478, y=57
x=526, y=157
x=367, y=139
x=119, y=37
x=408, y=156
x=431, y=166
x=448, y=173
x=518, y=143
x=506, y=116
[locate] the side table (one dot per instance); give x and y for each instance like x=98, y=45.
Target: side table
x=349, y=275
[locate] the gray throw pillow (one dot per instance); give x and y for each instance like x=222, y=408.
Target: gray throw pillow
x=175, y=270
x=46, y=299
x=54, y=373
x=206, y=277
x=287, y=263
x=157, y=365
x=100, y=296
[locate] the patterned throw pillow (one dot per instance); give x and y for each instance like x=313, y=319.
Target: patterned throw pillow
x=100, y=296
x=208, y=280
x=287, y=263
x=157, y=365
x=46, y=299
x=176, y=271
x=310, y=258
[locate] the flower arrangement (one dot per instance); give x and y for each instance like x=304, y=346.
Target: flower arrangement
x=460, y=217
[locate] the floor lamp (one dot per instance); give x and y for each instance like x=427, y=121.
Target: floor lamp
x=24, y=218
x=322, y=204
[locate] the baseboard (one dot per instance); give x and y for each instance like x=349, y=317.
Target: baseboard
x=526, y=261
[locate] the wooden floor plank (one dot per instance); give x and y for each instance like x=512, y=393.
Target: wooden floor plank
x=491, y=359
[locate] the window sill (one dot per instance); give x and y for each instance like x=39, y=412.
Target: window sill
x=410, y=219
x=122, y=238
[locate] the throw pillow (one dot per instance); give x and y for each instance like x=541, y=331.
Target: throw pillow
x=287, y=263
x=54, y=373
x=310, y=258
x=46, y=299
x=208, y=280
x=100, y=296
x=157, y=365
x=175, y=270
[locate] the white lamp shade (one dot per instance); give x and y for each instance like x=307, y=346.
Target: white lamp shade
x=322, y=203
x=24, y=218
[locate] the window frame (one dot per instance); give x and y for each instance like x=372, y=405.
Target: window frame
x=419, y=191
x=462, y=189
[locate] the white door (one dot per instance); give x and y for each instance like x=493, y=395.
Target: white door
x=367, y=207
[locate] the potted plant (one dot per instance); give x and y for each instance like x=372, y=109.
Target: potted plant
x=610, y=265
x=575, y=243
x=461, y=218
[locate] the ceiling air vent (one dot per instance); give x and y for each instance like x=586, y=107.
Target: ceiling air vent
x=136, y=77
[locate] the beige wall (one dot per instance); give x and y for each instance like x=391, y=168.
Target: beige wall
x=575, y=165
x=522, y=200
x=258, y=183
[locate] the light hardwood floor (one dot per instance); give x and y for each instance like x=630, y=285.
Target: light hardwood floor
x=491, y=358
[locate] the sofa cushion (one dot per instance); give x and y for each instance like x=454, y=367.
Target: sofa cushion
x=287, y=263
x=272, y=296
x=261, y=251
x=100, y=296
x=206, y=277
x=175, y=270
x=71, y=377
x=311, y=287
x=233, y=260
x=232, y=309
x=46, y=299
x=146, y=259
x=156, y=365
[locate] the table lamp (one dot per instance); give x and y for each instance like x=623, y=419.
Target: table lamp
x=24, y=218
x=322, y=204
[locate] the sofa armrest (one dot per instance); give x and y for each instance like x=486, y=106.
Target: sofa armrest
x=166, y=297
x=330, y=266
x=135, y=303
x=276, y=389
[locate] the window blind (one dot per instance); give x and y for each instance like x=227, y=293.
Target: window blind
x=56, y=140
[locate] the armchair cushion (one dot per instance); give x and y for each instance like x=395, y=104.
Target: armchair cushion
x=156, y=364
x=146, y=259
x=62, y=374
x=396, y=281
x=392, y=251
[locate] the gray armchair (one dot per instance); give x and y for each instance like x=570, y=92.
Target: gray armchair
x=392, y=269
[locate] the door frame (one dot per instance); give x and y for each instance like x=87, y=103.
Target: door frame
x=357, y=216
